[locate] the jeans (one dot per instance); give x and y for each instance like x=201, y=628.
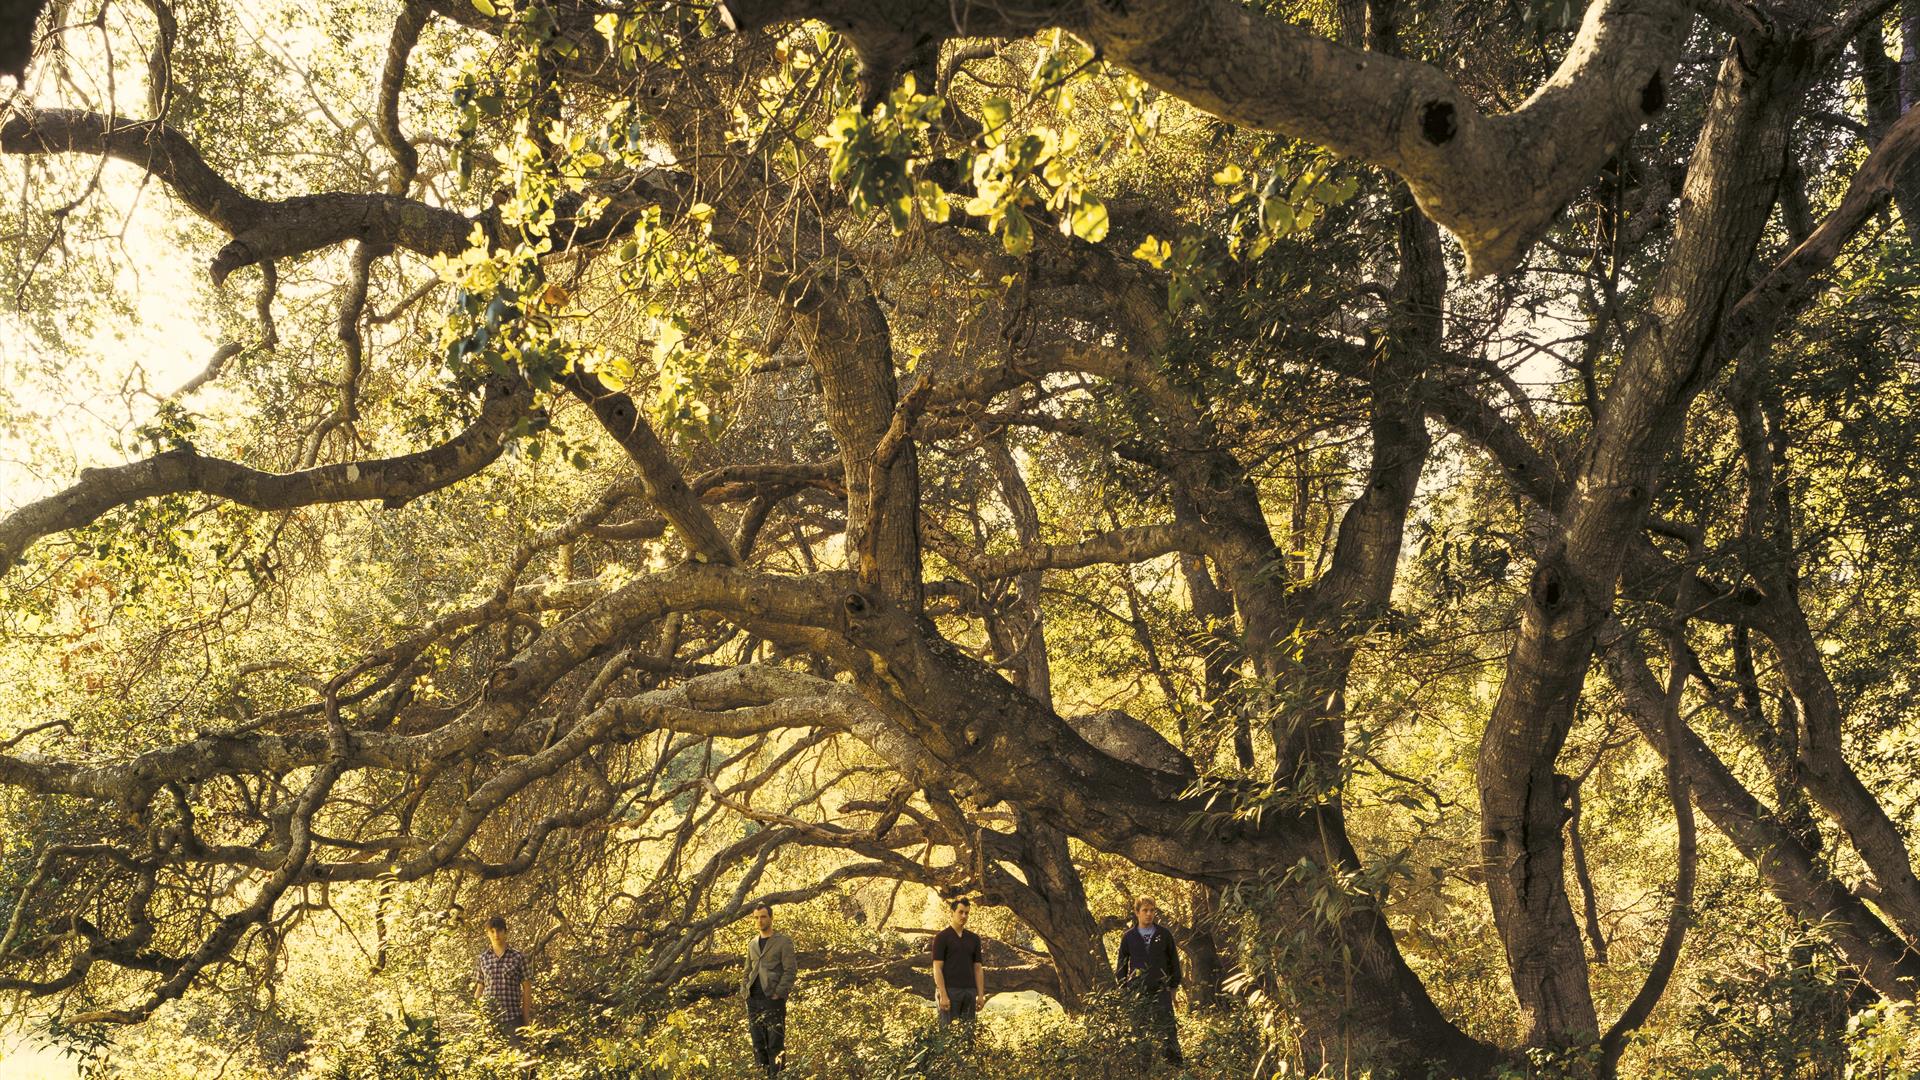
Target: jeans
x=1153, y=1014
x=767, y=1022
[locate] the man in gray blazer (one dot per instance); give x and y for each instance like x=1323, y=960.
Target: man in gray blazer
x=765, y=984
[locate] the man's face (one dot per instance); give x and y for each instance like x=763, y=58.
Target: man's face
x=763, y=919
x=1147, y=913
x=497, y=938
x=959, y=915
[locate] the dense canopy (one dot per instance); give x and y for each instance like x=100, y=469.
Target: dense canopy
x=1367, y=473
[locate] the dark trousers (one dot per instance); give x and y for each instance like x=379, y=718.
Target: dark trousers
x=767, y=1022
x=965, y=1008
x=1153, y=1015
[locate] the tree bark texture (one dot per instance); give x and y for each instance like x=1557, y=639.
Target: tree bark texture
x=1729, y=192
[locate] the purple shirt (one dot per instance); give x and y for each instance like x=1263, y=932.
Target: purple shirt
x=500, y=979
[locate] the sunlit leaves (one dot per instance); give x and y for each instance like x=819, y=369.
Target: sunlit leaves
x=1184, y=259
x=634, y=37
x=692, y=372
x=614, y=373
x=1154, y=252
x=1052, y=78
x=1138, y=105
x=995, y=113
x=873, y=155
x=1279, y=204
x=1087, y=218
x=1018, y=173
x=931, y=200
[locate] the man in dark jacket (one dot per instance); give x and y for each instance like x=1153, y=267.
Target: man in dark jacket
x=765, y=983
x=1148, y=968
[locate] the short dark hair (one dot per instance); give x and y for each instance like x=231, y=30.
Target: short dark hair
x=959, y=902
x=497, y=923
x=763, y=906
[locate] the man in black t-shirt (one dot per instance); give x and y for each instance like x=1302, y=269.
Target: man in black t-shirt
x=959, y=974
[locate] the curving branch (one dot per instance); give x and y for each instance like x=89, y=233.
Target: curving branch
x=1258, y=71
x=1680, y=914
x=394, y=481
x=263, y=230
x=1127, y=545
x=406, y=34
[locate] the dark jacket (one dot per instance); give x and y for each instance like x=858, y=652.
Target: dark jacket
x=772, y=960
x=1148, y=967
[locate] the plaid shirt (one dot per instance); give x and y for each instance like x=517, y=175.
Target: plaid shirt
x=500, y=978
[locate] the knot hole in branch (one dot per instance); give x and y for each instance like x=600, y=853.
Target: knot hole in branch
x=1653, y=96
x=1549, y=592
x=1438, y=122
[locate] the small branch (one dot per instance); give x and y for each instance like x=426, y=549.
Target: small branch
x=666, y=487
x=1790, y=283
x=1679, y=794
x=1127, y=545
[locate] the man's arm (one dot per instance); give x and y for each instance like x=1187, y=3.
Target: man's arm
x=1173, y=959
x=979, y=975
x=789, y=968
x=1121, y=966
x=939, y=953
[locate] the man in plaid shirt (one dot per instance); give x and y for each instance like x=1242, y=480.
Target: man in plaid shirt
x=500, y=980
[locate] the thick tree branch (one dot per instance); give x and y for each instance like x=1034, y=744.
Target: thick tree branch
x=1796, y=875
x=1729, y=194
x=394, y=481
x=263, y=230
x=1259, y=71
x=1792, y=282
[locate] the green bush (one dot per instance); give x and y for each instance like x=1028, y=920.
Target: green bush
x=842, y=1034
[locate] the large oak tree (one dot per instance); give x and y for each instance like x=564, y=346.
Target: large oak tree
x=974, y=242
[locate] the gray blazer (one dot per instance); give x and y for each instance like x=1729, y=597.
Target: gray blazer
x=770, y=959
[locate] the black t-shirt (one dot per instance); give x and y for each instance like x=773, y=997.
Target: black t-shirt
x=957, y=952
